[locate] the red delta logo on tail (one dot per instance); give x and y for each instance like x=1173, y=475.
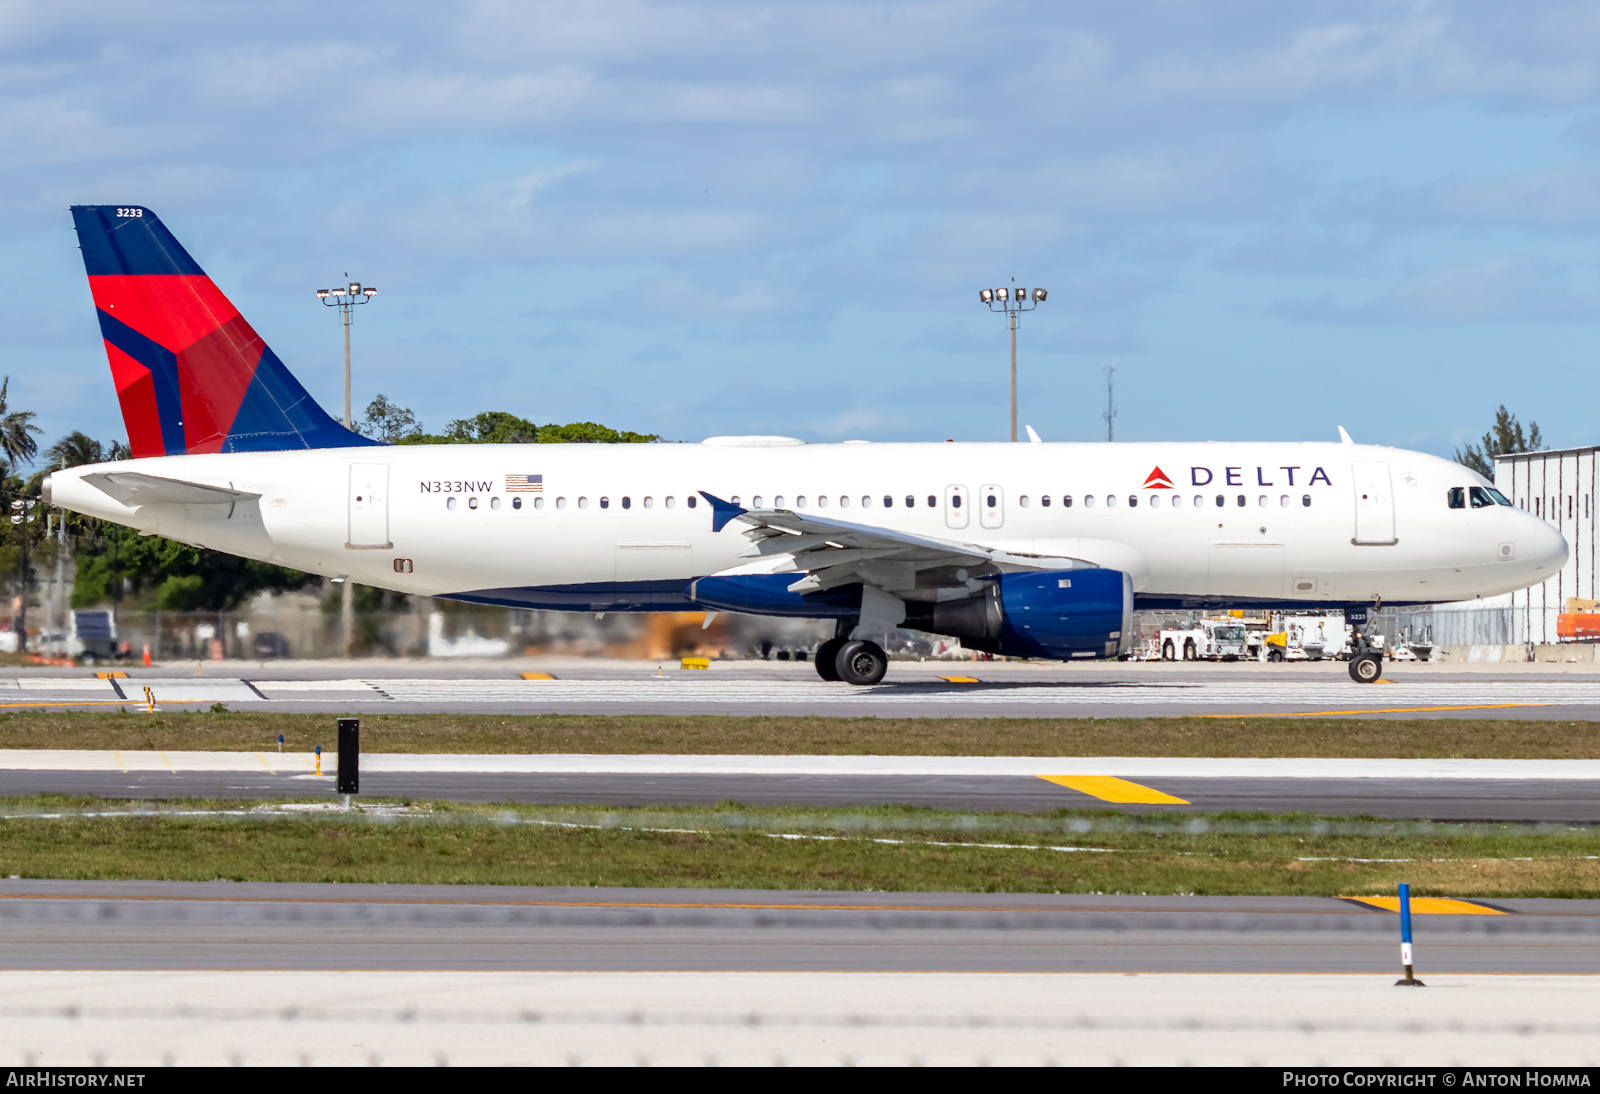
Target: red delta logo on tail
x=191, y=374
x=1157, y=480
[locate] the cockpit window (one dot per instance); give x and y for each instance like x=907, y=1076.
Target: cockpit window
x=1481, y=498
x=1458, y=497
x=1499, y=498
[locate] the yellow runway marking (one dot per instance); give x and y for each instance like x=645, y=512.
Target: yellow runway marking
x=118, y=757
x=537, y=676
x=959, y=679
x=1368, y=710
x=1111, y=789
x=1428, y=905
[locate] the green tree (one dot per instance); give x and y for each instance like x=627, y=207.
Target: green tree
x=388, y=421
x=16, y=430
x=74, y=450
x=501, y=427
x=174, y=576
x=1504, y=439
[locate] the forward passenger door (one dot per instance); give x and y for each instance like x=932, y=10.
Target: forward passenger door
x=1374, y=503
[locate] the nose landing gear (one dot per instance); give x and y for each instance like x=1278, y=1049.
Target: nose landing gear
x=1366, y=663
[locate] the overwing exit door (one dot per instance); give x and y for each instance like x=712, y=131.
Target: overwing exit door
x=1374, y=503
x=956, y=510
x=369, y=507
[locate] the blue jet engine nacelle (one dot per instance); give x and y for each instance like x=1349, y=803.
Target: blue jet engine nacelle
x=1055, y=614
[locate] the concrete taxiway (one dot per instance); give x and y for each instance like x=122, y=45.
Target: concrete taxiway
x=912, y=689
x=1474, y=790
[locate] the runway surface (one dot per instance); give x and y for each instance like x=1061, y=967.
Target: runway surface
x=140, y=974
x=1489, y=790
x=222, y=925
x=911, y=690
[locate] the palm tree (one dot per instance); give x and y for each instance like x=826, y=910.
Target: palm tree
x=16, y=430
x=74, y=450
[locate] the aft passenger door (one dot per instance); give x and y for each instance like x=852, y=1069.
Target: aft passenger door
x=369, y=507
x=956, y=510
x=991, y=506
x=1374, y=503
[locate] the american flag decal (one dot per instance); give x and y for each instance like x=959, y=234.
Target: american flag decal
x=524, y=484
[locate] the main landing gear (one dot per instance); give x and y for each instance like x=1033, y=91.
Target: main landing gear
x=854, y=661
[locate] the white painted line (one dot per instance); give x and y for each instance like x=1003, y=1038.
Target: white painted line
x=1133, y=767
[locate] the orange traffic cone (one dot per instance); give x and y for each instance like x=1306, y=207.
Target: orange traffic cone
x=147, y=655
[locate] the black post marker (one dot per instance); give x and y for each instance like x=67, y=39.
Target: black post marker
x=349, y=778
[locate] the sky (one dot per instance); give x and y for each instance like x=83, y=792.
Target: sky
x=699, y=218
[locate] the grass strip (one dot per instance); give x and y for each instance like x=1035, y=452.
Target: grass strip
x=883, y=848
x=1420, y=738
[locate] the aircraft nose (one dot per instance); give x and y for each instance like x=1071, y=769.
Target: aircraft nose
x=1542, y=545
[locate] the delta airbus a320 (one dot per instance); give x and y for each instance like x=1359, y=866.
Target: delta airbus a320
x=1032, y=550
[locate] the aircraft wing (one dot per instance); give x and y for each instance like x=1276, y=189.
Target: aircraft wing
x=837, y=552
x=136, y=488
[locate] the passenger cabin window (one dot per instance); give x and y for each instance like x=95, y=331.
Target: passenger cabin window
x=605, y=503
x=990, y=499
x=1111, y=501
x=1044, y=500
x=449, y=503
x=1458, y=497
x=472, y=503
x=1023, y=501
x=1177, y=501
x=800, y=502
x=691, y=500
x=955, y=501
x=583, y=503
x=1481, y=498
x=561, y=503
x=755, y=502
x=649, y=503
x=1241, y=501
x=1155, y=501
x=1305, y=500
x=516, y=503
x=932, y=501
x=1133, y=501
x=844, y=502
x=866, y=503
x=627, y=503
x=1088, y=501
x=670, y=502
x=1221, y=501
x=494, y=503
x=910, y=501
x=1066, y=501
x=777, y=502
x=822, y=501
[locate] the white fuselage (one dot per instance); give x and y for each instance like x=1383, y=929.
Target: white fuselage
x=1308, y=523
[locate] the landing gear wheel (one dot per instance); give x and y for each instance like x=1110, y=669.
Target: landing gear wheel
x=861, y=663
x=825, y=658
x=1366, y=668
x=1166, y=651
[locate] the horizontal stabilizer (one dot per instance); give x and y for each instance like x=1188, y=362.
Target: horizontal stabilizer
x=134, y=488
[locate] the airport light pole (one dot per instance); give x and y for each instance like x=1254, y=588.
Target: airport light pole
x=344, y=299
x=1012, y=302
x=22, y=514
